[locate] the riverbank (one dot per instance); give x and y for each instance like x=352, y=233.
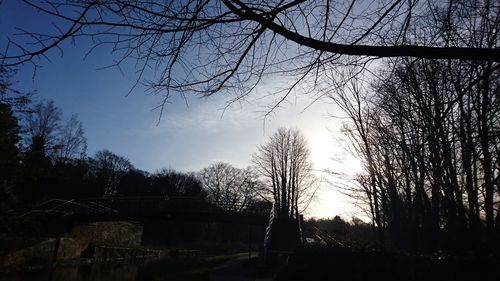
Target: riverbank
x=68, y=252
x=186, y=268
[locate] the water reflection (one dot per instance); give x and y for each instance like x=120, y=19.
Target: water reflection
x=166, y=269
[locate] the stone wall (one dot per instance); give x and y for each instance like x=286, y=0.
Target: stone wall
x=118, y=234
x=70, y=248
x=41, y=253
x=99, y=240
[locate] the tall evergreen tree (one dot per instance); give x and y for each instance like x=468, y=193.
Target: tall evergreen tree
x=9, y=155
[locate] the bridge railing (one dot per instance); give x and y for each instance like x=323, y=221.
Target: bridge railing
x=141, y=205
x=65, y=207
x=300, y=221
x=181, y=203
x=267, y=236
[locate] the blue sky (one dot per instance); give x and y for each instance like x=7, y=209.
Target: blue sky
x=186, y=138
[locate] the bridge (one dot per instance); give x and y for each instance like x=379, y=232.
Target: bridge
x=149, y=207
x=281, y=235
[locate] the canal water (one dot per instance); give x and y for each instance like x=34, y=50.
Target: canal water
x=189, y=268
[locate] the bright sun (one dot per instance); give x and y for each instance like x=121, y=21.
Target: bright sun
x=327, y=153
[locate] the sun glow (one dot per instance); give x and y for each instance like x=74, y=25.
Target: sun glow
x=334, y=166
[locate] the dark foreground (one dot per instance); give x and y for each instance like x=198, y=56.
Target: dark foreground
x=185, y=269
x=319, y=262
x=310, y=262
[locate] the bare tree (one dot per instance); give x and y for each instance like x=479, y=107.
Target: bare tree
x=16, y=99
x=284, y=164
x=168, y=182
x=228, y=187
x=204, y=47
x=109, y=168
x=430, y=147
x=72, y=141
x=60, y=141
x=426, y=131
x=352, y=100
x=43, y=122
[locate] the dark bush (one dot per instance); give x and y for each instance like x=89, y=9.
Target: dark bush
x=319, y=262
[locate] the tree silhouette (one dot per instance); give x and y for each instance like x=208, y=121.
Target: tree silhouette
x=427, y=131
x=72, y=141
x=284, y=164
x=36, y=169
x=43, y=122
x=228, y=187
x=168, y=182
x=109, y=168
x=9, y=156
x=61, y=141
x=430, y=146
x=204, y=47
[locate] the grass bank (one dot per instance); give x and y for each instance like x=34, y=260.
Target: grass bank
x=188, y=269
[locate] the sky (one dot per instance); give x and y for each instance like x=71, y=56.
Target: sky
x=186, y=137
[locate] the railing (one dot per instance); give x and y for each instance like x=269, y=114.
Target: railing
x=267, y=236
x=326, y=238
x=141, y=205
x=67, y=207
x=299, y=223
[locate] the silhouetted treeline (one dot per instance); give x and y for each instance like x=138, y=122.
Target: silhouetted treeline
x=45, y=157
x=429, y=133
x=42, y=158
